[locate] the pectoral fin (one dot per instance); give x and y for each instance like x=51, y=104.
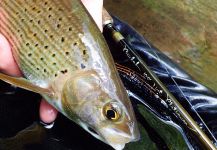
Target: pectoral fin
x=25, y=84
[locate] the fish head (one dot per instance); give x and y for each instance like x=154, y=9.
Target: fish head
x=85, y=102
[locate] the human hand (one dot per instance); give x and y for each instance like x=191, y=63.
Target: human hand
x=8, y=65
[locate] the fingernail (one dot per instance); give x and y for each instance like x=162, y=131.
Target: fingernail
x=47, y=125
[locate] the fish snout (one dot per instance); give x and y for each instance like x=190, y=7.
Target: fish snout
x=119, y=136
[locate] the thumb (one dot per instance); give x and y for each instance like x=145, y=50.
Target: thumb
x=7, y=63
x=94, y=7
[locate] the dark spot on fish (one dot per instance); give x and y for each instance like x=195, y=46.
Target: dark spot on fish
x=45, y=70
x=42, y=58
x=34, y=34
x=84, y=52
x=22, y=20
x=45, y=30
x=39, y=21
x=75, y=43
x=64, y=71
x=25, y=9
x=60, y=9
x=45, y=3
x=17, y=13
x=31, y=20
x=60, y=19
x=27, y=44
x=67, y=53
x=46, y=47
x=54, y=64
x=30, y=54
x=62, y=39
x=36, y=45
x=37, y=68
x=49, y=16
x=83, y=66
x=58, y=25
x=33, y=8
x=53, y=55
x=51, y=36
x=21, y=35
x=50, y=8
x=18, y=30
x=39, y=12
x=70, y=28
x=55, y=75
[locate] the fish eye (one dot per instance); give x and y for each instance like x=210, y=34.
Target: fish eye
x=112, y=111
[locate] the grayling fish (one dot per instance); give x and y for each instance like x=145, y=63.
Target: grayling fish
x=63, y=56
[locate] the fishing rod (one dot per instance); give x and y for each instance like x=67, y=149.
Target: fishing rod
x=162, y=92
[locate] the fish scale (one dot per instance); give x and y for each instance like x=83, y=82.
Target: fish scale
x=36, y=25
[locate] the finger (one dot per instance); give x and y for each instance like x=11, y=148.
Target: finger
x=47, y=113
x=94, y=7
x=7, y=63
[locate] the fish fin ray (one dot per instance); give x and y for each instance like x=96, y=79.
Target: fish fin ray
x=25, y=84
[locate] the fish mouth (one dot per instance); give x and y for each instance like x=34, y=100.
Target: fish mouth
x=114, y=137
x=117, y=138
x=118, y=146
